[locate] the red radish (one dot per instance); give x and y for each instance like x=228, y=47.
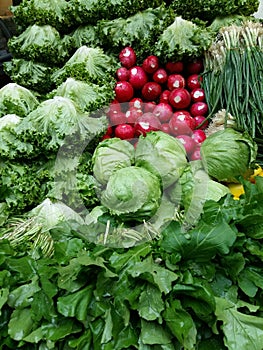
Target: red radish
x=151, y=91
x=163, y=111
x=198, y=95
x=188, y=142
x=175, y=81
x=109, y=130
x=124, y=131
x=124, y=91
x=150, y=64
x=195, y=67
x=138, y=78
x=164, y=97
x=193, y=81
x=149, y=106
x=196, y=154
x=166, y=128
x=180, y=98
x=106, y=136
x=117, y=118
x=136, y=102
x=114, y=107
x=198, y=108
x=132, y=114
x=181, y=123
x=199, y=136
x=201, y=122
x=122, y=74
x=127, y=57
x=174, y=67
x=160, y=76
x=146, y=123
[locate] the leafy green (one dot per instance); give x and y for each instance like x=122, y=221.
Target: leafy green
x=87, y=96
x=16, y=99
x=41, y=12
x=228, y=154
x=89, y=64
x=42, y=44
x=85, y=35
x=109, y=156
x=132, y=193
x=182, y=39
x=162, y=155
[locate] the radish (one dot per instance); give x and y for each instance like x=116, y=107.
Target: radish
x=175, y=81
x=146, y=123
x=174, y=67
x=149, y=106
x=117, y=118
x=182, y=123
x=151, y=91
x=198, y=136
x=164, y=97
x=114, y=107
x=124, y=131
x=109, y=131
x=150, y=64
x=196, y=154
x=193, y=81
x=166, y=128
x=188, y=143
x=197, y=95
x=163, y=111
x=136, y=102
x=122, y=74
x=201, y=122
x=127, y=57
x=160, y=76
x=195, y=67
x=180, y=98
x=124, y=91
x=138, y=77
x=106, y=136
x=132, y=114
x=198, y=108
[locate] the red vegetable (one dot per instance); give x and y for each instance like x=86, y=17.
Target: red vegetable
x=199, y=135
x=124, y=131
x=160, y=76
x=166, y=128
x=197, y=95
x=174, y=67
x=136, y=102
x=201, y=122
x=195, y=67
x=146, y=123
x=149, y=106
x=127, y=57
x=182, y=123
x=122, y=74
x=196, y=154
x=150, y=64
x=180, y=98
x=163, y=111
x=175, y=81
x=138, y=78
x=124, y=91
x=188, y=142
x=117, y=118
x=151, y=91
x=164, y=97
x=193, y=81
x=132, y=114
x=198, y=108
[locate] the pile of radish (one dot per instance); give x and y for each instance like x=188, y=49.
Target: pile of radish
x=151, y=96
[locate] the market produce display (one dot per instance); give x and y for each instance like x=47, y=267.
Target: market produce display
x=131, y=176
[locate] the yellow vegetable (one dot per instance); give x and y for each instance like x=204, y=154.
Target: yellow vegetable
x=236, y=189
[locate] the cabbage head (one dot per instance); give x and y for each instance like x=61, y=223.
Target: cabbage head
x=109, y=156
x=228, y=154
x=162, y=155
x=132, y=193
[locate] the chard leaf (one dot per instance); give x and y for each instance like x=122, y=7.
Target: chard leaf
x=239, y=328
x=200, y=243
x=22, y=296
x=154, y=333
x=181, y=324
x=20, y=324
x=150, y=303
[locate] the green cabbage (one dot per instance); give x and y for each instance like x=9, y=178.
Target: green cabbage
x=109, y=156
x=162, y=155
x=16, y=99
x=132, y=193
x=228, y=154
